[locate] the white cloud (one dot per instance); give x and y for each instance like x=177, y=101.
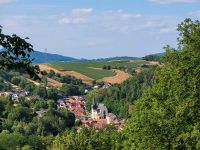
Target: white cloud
x=6, y=1
x=77, y=16
x=173, y=1
x=167, y=30
x=82, y=11
x=68, y=20
x=129, y=16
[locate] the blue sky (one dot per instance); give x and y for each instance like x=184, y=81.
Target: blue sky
x=97, y=28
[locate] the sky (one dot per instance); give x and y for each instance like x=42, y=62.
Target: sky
x=97, y=28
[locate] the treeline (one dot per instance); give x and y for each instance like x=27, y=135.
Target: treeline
x=129, y=70
x=63, y=79
x=152, y=57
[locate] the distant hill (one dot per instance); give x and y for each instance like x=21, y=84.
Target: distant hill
x=41, y=57
x=113, y=58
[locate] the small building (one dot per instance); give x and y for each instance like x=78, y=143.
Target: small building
x=111, y=119
x=95, y=87
x=75, y=104
x=86, y=91
x=99, y=111
x=61, y=104
x=15, y=97
x=106, y=85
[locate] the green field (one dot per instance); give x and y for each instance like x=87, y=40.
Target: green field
x=85, y=67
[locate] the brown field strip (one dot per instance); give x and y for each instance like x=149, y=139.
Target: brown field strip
x=120, y=77
x=54, y=83
x=85, y=79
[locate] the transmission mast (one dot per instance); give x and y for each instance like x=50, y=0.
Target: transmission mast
x=45, y=55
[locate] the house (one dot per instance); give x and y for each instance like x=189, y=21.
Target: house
x=75, y=104
x=95, y=87
x=86, y=91
x=99, y=111
x=106, y=85
x=96, y=124
x=78, y=111
x=15, y=97
x=111, y=118
x=61, y=104
x=99, y=123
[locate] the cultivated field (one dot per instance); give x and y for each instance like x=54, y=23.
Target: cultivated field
x=83, y=68
x=93, y=69
x=89, y=71
x=85, y=79
x=118, y=78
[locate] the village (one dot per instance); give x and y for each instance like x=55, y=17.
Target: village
x=98, y=117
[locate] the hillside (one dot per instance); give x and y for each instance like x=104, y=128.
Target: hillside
x=116, y=58
x=107, y=71
x=41, y=57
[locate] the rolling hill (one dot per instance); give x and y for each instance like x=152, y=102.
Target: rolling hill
x=89, y=71
x=40, y=57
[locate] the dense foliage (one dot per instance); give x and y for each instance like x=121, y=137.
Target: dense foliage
x=155, y=57
x=88, y=139
x=20, y=123
x=16, y=54
x=167, y=115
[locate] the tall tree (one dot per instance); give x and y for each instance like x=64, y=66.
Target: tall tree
x=168, y=115
x=16, y=54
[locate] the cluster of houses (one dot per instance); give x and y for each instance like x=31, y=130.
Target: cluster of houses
x=75, y=104
x=16, y=94
x=97, y=118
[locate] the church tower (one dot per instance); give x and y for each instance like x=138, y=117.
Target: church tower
x=94, y=109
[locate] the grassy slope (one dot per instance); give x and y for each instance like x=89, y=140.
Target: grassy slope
x=84, y=67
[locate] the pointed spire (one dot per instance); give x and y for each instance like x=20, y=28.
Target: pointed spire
x=94, y=103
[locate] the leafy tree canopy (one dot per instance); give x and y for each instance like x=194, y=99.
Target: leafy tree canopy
x=168, y=116
x=16, y=54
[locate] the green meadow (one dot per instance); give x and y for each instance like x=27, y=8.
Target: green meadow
x=88, y=68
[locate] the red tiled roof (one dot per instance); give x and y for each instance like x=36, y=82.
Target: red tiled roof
x=77, y=111
x=99, y=123
x=74, y=97
x=70, y=101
